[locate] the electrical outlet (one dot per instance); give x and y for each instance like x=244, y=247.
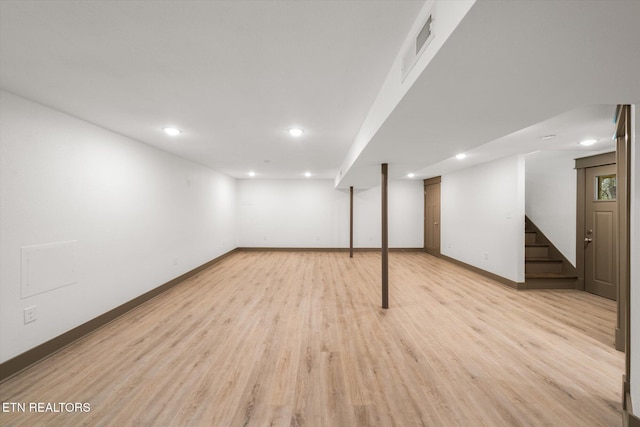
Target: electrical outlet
x=30, y=314
x=175, y=261
x=486, y=256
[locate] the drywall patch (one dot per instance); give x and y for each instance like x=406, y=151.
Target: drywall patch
x=47, y=267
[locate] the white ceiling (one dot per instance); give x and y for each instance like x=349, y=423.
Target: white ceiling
x=235, y=75
x=566, y=131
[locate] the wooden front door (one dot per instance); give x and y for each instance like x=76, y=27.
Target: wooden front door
x=601, y=229
x=432, y=216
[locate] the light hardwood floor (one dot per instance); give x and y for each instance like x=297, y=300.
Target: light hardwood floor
x=298, y=339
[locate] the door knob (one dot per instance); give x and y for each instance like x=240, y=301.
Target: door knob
x=588, y=240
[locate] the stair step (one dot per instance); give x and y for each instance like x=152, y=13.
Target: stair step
x=552, y=276
x=536, y=250
x=530, y=237
x=549, y=281
x=542, y=265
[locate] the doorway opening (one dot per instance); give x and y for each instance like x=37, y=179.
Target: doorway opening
x=602, y=228
x=432, y=216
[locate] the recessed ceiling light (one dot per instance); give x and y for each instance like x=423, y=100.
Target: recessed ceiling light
x=547, y=137
x=307, y=174
x=587, y=142
x=172, y=131
x=460, y=156
x=295, y=132
x=411, y=175
x=252, y=173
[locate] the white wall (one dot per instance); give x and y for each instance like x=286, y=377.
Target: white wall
x=550, y=197
x=291, y=213
x=132, y=209
x=311, y=213
x=634, y=318
x=482, y=218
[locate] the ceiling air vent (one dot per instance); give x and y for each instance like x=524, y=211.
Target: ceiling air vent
x=423, y=35
x=422, y=40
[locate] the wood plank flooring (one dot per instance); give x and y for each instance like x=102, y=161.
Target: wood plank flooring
x=298, y=339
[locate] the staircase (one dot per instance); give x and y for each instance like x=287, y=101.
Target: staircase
x=544, y=265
